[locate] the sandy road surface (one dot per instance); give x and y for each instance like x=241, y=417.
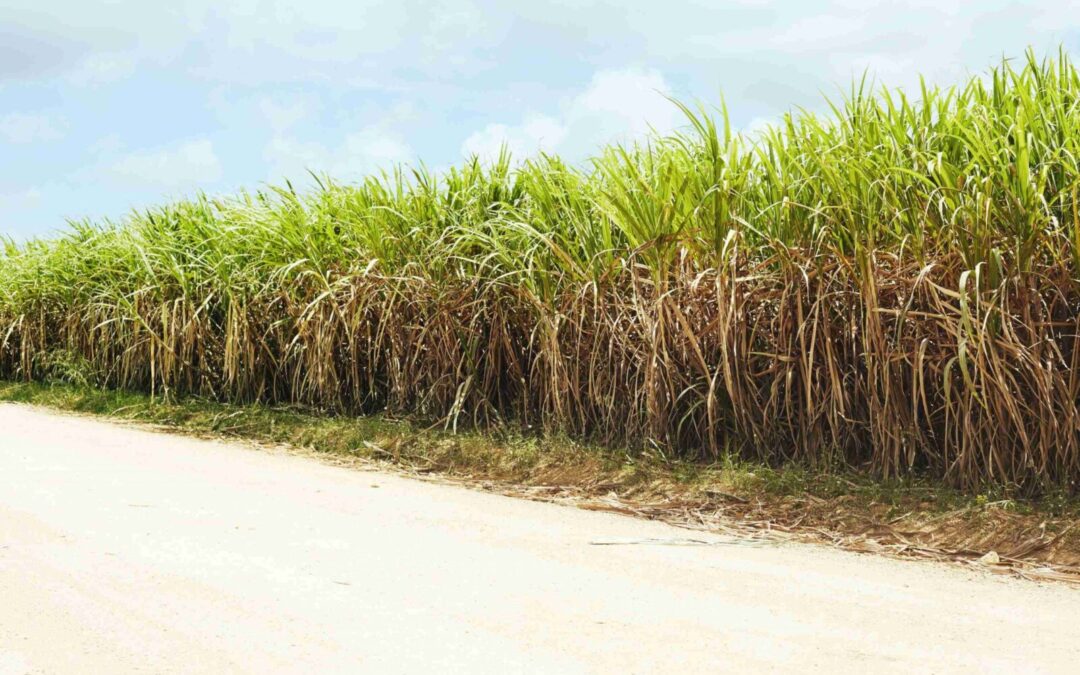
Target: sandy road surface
x=126, y=550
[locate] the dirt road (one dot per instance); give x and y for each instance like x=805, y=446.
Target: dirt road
x=127, y=550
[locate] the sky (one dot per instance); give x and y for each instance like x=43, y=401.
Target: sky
x=112, y=105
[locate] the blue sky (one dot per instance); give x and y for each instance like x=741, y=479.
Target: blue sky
x=106, y=106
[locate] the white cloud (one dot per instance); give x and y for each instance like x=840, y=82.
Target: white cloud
x=535, y=134
x=813, y=31
x=362, y=152
x=25, y=198
x=19, y=208
x=30, y=128
x=247, y=41
x=759, y=125
x=617, y=106
x=450, y=24
x=626, y=103
x=372, y=145
x=102, y=68
x=182, y=166
x=284, y=113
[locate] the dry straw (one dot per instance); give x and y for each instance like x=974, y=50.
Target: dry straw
x=892, y=286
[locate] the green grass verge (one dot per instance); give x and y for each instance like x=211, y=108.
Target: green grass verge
x=513, y=457
x=919, y=517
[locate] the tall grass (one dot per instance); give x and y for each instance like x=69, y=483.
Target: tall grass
x=891, y=285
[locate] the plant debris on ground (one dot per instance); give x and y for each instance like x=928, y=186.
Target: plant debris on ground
x=752, y=503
